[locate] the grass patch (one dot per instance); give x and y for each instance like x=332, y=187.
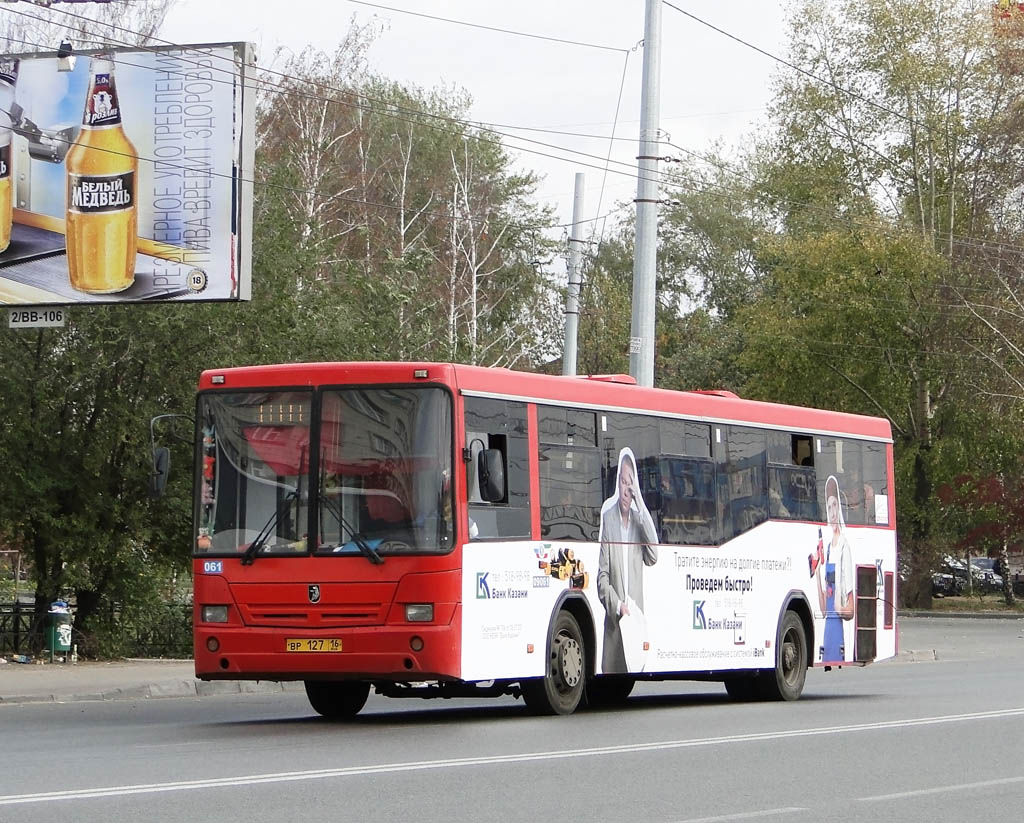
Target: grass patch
x=992, y=602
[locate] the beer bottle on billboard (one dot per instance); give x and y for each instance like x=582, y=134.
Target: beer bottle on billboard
x=8, y=79
x=102, y=170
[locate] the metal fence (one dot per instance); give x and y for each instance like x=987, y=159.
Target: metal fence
x=162, y=631
x=165, y=631
x=20, y=632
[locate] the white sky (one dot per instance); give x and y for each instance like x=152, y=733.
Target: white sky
x=712, y=88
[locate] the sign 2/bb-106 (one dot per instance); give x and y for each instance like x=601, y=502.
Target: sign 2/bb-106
x=36, y=318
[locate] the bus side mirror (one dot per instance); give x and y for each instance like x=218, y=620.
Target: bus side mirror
x=491, y=475
x=161, y=457
x=161, y=468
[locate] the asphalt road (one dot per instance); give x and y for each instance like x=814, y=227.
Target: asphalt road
x=937, y=735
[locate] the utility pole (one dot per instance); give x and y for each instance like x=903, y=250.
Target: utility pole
x=645, y=252
x=572, y=300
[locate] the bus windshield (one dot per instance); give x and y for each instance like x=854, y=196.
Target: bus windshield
x=367, y=470
x=253, y=471
x=385, y=470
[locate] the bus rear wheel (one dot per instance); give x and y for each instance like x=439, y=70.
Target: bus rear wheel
x=560, y=690
x=340, y=700
x=786, y=681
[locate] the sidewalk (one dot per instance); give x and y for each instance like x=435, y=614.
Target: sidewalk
x=120, y=680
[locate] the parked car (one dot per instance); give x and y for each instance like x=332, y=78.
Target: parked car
x=943, y=584
x=957, y=570
x=984, y=575
x=985, y=571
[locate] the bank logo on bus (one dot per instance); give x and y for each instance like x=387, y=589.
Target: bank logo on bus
x=483, y=589
x=699, y=621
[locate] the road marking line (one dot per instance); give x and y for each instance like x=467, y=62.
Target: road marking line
x=983, y=784
x=744, y=815
x=460, y=762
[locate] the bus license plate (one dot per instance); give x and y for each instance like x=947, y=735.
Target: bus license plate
x=313, y=644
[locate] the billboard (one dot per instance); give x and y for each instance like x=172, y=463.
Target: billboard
x=127, y=176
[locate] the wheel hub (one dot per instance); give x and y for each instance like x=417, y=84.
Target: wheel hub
x=570, y=662
x=788, y=657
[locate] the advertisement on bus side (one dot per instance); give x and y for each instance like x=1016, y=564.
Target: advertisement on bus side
x=704, y=608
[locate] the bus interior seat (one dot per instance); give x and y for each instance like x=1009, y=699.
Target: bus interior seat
x=386, y=507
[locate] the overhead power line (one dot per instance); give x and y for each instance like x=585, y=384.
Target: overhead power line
x=709, y=189
x=488, y=28
x=606, y=163
x=600, y=164
x=628, y=169
x=822, y=80
x=293, y=189
x=793, y=66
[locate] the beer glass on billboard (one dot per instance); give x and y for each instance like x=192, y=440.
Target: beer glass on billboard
x=102, y=167
x=8, y=79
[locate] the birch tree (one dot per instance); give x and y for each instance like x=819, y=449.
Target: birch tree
x=492, y=252
x=311, y=136
x=411, y=218
x=29, y=28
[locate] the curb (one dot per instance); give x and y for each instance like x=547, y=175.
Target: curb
x=980, y=615
x=156, y=691
x=913, y=656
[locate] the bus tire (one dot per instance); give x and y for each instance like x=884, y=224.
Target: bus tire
x=339, y=700
x=560, y=690
x=786, y=680
x=609, y=690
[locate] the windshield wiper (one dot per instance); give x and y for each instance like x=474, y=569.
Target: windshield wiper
x=264, y=534
x=368, y=551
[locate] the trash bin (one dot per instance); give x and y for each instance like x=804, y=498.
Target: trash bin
x=58, y=633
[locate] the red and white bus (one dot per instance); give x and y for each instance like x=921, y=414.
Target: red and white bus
x=430, y=529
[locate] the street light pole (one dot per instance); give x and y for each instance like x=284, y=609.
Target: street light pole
x=572, y=300
x=645, y=253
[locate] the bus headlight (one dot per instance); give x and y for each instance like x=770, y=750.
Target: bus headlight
x=419, y=612
x=215, y=614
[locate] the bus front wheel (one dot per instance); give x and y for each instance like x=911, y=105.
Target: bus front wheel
x=560, y=690
x=786, y=681
x=337, y=700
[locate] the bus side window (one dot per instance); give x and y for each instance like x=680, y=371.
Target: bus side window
x=687, y=501
x=859, y=469
x=687, y=484
x=499, y=425
x=792, y=493
x=746, y=487
x=570, y=492
x=570, y=471
x=876, y=485
x=640, y=433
